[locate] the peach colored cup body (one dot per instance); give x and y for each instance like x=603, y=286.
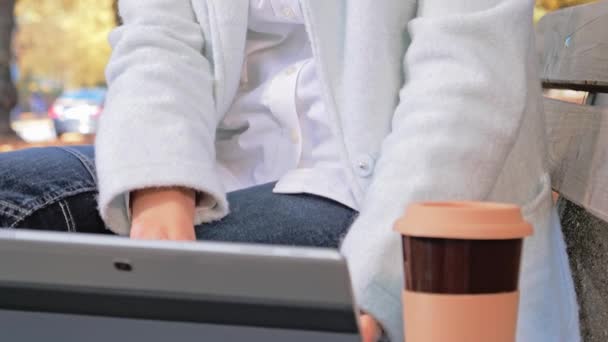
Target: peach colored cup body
x=461, y=265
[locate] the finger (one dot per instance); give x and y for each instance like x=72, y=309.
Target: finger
x=137, y=231
x=184, y=233
x=148, y=233
x=370, y=331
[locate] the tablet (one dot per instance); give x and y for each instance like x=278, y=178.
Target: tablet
x=68, y=287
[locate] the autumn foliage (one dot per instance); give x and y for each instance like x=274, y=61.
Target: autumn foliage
x=64, y=40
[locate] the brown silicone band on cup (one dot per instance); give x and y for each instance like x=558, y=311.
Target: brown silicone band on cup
x=460, y=318
x=450, y=266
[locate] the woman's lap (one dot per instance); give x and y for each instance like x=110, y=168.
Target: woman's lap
x=258, y=215
x=55, y=189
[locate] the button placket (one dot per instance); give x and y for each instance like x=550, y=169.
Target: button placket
x=284, y=107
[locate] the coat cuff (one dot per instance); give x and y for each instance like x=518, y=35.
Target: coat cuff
x=212, y=205
x=373, y=253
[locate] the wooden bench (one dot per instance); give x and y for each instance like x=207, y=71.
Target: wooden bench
x=573, y=48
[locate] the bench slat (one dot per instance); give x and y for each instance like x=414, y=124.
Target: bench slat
x=573, y=48
x=578, y=157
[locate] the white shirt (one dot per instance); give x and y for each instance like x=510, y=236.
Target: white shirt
x=277, y=127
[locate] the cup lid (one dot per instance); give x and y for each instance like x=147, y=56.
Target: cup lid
x=464, y=220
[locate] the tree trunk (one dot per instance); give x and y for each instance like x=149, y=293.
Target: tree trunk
x=117, y=17
x=8, y=94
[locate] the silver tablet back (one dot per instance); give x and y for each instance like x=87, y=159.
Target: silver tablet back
x=72, y=285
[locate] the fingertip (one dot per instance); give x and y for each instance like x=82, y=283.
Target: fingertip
x=369, y=329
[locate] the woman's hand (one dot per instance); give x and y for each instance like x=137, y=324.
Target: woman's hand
x=370, y=329
x=163, y=214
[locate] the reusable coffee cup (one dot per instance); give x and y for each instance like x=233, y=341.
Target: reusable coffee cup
x=462, y=262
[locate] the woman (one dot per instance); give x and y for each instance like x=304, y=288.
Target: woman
x=356, y=108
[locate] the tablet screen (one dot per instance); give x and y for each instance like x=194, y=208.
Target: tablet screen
x=31, y=326
x=29, y=313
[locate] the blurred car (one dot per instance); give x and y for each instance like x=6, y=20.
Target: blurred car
x=77, y=111
x=32, y=127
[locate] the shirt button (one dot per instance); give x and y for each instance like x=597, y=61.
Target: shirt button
x=364, y=166
x=266, y=100
x=295, y=136
x=288, y=12
x=291, y=70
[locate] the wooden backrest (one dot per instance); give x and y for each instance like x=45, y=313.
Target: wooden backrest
x=573, y=48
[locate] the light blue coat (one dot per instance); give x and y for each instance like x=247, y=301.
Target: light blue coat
x=431, y=99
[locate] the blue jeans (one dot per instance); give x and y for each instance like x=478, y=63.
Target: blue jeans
x=56, y=188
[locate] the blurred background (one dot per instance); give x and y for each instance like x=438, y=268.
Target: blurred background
x=52, y=59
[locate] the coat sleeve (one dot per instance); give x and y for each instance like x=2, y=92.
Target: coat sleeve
x=458, y=117
x=159, y=122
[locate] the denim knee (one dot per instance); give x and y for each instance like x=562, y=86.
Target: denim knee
x=36, y=178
